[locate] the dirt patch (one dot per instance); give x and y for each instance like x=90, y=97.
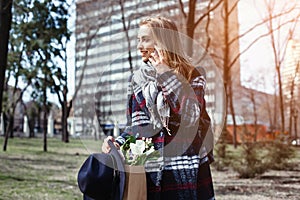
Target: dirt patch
x=273, y=185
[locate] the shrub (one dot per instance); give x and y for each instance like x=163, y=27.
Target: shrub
x=251, y=161
x=221, y=154
x=222, y=159
x=279, y=153
x=257, y=158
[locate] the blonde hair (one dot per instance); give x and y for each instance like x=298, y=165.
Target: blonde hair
x=166, y=36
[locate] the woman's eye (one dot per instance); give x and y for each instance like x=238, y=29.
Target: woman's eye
x=143, y=40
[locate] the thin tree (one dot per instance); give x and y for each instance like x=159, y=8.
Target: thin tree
x=269, y=104
x=5, y=25
x=227, y=9
x=42, y=33
x=12, y=100
x=279, y=41
x=229, y=55
x=193, y=17
x=126, y=28
x=60, y=75
x=255, y=100
x=292, y=103
x=15, y=72
x=31, y=110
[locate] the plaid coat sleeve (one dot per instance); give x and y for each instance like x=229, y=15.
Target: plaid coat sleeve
x=186, y=100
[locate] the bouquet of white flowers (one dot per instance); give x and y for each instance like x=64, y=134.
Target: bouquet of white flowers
x=137, y=152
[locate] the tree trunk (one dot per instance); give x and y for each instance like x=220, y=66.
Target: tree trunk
x=232, y=111
x=295, y=123
x=126, y=31
x=5, y=141
x=5, y=25
x=45, y=121
x=269, y=114
x=45, y=132
x=10, y=131
x=281, y=99
x=65, y=122
x=227, y=69
x=190, y=27
x=293, y=108
x=252, y=97
x=275, y=113
x=31, y=124
x=5, y=133
x=39, y=118
x=291, y=115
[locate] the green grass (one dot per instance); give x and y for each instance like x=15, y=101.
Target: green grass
x=26, y=172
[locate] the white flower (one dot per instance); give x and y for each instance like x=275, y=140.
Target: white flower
x=137, y=148
x=150, y=151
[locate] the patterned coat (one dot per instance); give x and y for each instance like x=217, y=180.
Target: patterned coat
x=172, y=112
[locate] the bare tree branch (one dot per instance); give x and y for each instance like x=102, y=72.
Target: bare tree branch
x=254, y=41
x=291, y=34
x=217, y=56
x=233, y=7
x=181, y=7
x=207, y=34
x=209, y=10
x=278, y=55
x=263, y=22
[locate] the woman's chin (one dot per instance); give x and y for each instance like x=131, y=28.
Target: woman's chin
x=145, y=59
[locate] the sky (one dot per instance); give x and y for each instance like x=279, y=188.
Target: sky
x=257, y=60
x=257, y=64
x=71, y=58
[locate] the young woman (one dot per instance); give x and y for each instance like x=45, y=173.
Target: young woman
x=166, y=103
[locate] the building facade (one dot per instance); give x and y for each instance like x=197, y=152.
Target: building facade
x=291, y=86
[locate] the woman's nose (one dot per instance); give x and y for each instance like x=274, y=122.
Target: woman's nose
x=139, y=45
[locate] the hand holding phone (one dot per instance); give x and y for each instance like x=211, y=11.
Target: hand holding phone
x=158, y=61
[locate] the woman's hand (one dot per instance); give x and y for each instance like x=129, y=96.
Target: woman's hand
x=158, y=61
x=106, y=147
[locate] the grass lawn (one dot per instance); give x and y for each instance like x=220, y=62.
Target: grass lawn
x=26, y=172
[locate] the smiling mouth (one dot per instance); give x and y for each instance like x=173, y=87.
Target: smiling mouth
x=144, y=53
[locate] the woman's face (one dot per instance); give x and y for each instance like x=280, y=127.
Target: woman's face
x=145, y=42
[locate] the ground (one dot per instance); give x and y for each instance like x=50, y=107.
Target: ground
x=28, y=173
x=272, y=185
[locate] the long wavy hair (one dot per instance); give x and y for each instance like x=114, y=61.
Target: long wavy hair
x=166, y=37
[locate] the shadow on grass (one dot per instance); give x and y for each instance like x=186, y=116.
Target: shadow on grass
x=61, y=161
x=4, y=177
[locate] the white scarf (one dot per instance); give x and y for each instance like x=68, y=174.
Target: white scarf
x=144, y=80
